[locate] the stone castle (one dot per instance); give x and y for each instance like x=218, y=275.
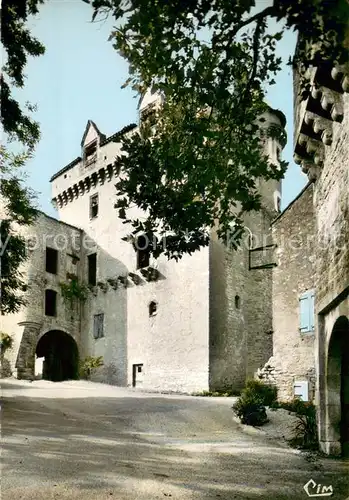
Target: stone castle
x=190, y=326
x=278, y=310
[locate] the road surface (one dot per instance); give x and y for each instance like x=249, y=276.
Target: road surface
x=84, y=441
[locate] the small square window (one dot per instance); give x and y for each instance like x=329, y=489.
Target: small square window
x=94, y=206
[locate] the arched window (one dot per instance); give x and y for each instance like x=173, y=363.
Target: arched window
x=237, y=301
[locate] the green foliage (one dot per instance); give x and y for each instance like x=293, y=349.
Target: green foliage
x=6, y=342
x=16, y=199
x=305, y=431
x=266, y=394
x=250, y=406
x=73, y=290
x=249, y=409
x=18, y=43
x=226, y=393
x=89, y=365
x=199, y=167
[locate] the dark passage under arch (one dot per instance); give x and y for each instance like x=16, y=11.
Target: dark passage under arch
x=61, y=356
x=338, y=382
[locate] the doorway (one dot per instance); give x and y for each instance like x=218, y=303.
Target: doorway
x=137, y=375
x=61, y=358
x=338, y=383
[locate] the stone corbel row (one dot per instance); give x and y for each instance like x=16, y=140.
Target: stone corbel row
x=316, y=133
x=85, y=185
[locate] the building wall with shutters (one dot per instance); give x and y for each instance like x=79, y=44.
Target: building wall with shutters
x=293, y=298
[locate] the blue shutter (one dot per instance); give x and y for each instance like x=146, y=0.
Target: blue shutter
x=307, y=311
x=312, y=310
x=304, y=312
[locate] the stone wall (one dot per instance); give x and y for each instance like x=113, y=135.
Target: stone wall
x=240, y=297
x=172, y=346
x=293, y=351
x=29, y=324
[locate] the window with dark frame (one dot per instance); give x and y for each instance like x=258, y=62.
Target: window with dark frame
x=143, y=254
x=90, y=153
x=94, y=206
x=92, y=269
x=51, y=260
x=98, y=326
x=50, y=303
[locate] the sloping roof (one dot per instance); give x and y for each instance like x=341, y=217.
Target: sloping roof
x=104, y=140
x=88, y=125
x=310, y=183
x=67, y=167
x=58, y=221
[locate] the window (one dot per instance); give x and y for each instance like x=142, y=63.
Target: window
x=307, y=311
x=90, y=153
x=92, y=269
x=153, y=307
x=94, y=206
x=98, y=326
x=50, y=302
x=51, y=260
x=142, y=248
x=237, y=301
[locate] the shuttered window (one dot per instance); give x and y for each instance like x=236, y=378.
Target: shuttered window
x=98, y=326
x=307, y=311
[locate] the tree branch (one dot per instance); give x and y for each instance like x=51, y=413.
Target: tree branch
x=269, y=11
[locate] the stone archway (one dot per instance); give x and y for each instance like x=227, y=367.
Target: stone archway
x=61, y=356
x=337, y=381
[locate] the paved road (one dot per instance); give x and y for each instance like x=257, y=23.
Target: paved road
x=81, y=441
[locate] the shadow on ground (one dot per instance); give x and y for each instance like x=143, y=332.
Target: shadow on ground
x=135, y=448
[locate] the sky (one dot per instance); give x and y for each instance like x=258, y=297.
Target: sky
x=79, y=78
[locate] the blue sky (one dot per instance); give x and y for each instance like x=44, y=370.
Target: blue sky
x=79, y=78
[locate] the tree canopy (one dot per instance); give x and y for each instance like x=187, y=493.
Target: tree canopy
x=16, y=199
x=213, y=61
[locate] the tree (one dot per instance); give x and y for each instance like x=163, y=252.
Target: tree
x=16, y=199
x=212, y=60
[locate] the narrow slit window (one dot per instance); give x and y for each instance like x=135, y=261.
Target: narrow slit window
x=237, y=301
x=153, y=307
x=92, y=269
x=51, y=260
x=50, y=303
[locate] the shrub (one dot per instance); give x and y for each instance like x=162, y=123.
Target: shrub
x=250, y=407
x=250, y=410
x=89, y=365
x=6, y=342
x=305, y=431
x=265, y=394
x=226, y=393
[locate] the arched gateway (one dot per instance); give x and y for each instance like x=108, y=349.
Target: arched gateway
x=337, y=378
x=61, y=356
